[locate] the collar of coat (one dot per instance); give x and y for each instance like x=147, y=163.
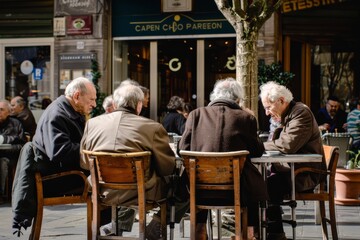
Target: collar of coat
x=127, y=109
x=227, y=102
x=287, y=111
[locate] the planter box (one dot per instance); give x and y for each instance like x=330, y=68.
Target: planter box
x=347, y=183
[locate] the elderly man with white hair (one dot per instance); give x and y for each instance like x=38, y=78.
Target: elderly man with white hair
x=298, y=133
x=55, y=148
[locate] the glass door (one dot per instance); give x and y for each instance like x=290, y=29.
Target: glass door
x=27, y=72
x=176, y=72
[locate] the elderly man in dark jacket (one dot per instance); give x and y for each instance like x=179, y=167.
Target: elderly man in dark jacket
x=55, y=147
x=226, y=126
x=298, y=133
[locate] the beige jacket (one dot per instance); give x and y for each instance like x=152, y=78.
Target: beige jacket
x=124, y=131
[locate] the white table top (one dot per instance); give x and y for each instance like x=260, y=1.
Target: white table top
x=288, y=158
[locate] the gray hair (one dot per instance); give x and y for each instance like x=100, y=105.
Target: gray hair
x=19, y=100
x=127, y=96
x=227, y=88
x=272, y=91
x=129, y=82
x=108, y=101
x=7, y=104
x=78, y=84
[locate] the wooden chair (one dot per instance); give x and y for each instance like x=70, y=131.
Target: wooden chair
x=71, y=197
x=325, y=192
x=122, y=171
x=218, y=171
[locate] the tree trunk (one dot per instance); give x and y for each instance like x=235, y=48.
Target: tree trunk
x=247, y=69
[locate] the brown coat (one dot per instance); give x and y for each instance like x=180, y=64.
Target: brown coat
x=299, y=133
x=225, y=126
x=124, y=131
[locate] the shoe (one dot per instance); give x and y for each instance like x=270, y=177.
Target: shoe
x=276, y=236
x=153, y=230
x=107, y=230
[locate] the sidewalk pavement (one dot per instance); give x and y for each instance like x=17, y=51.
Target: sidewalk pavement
x=68, y=222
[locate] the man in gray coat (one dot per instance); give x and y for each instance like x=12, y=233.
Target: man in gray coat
x=298, y=133
x=125, y=131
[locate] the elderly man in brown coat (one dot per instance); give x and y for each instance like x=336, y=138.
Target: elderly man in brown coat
x=224, y=126
x=125, y=131
x=298, y=133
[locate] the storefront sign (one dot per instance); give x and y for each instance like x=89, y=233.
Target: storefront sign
x=79, y=25
x=297, y=5
x=174, y=24
x=59, y=26
x=38, y=74
x=71, y=7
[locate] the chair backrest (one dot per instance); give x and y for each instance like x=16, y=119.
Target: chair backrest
x=343, y=141
x=331, y=154
x=119, y=168
x=214, y=167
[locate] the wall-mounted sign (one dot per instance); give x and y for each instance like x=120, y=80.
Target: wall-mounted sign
x=297, y=5
x=176, y=5
x=79, y=25
x=38, y=74
x=59, y=26
x=174, y=64
x=69, y=7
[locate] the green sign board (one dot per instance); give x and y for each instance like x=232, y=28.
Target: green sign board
x=155, y=23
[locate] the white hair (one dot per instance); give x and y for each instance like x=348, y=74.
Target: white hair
x=272, y=91
x=227, y=88
x=127, y=96
x=78, y=84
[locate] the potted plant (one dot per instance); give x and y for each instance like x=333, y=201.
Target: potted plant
x=347, y=181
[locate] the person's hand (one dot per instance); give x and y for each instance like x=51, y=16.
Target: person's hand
x=324, y=127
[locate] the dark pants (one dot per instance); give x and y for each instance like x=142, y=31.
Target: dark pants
x=279, y=185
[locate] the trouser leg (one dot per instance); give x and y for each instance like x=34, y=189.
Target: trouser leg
x=4, y=169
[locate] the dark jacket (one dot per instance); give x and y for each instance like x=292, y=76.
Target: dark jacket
x=12, y=131
x=28, y=121
x=59, y=133
x=55, y=148
x=225, y=126
x=336, y=122
x=174, y=122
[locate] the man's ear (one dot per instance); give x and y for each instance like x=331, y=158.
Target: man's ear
x=76, y=96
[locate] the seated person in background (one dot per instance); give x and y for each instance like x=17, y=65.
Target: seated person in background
x=174, y=121
x=11, y=132
x=133, y=133
x=332, y=118
x=55, y=148
x=45, y=102
x=24, y=114
x=108, y=104
x=145, y=108
x=225, y=126
x=187, y=108
x=298, y=133
x=353, y=125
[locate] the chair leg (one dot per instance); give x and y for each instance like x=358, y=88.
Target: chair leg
x=89, y=217
x=163, y=220
x=323, y=220
x=219, y=223
x=333, y=219
x=37, y=222
x=210, y=226
x=244, y=223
